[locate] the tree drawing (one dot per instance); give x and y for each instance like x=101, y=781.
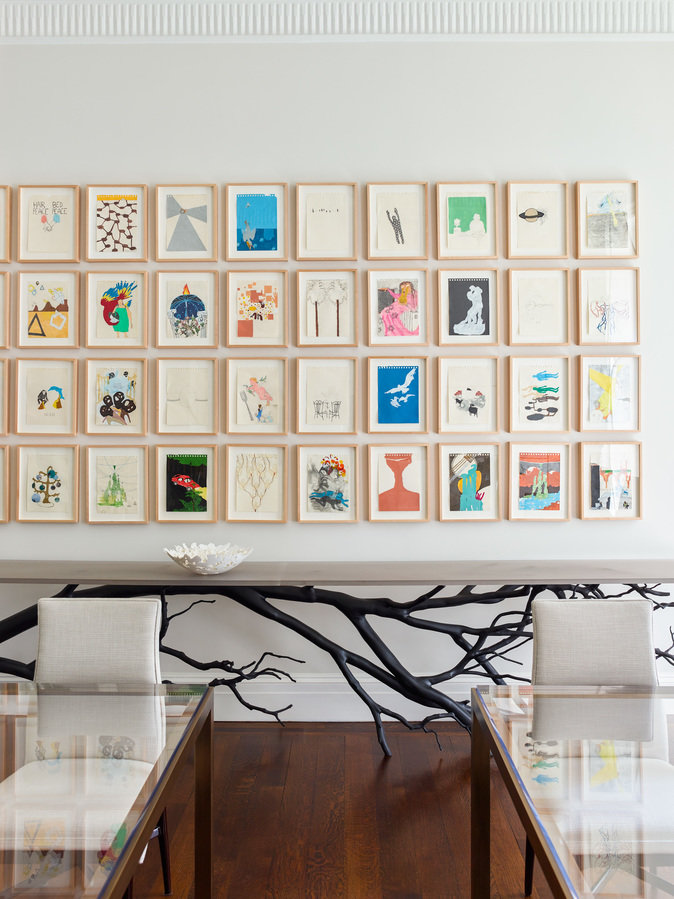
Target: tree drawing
x=255, y=473
x=318, y=292
x=45, y=485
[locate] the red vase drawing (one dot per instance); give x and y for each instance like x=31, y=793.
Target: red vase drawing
x=398, y=498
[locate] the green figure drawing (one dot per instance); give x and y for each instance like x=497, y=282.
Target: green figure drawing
x=540, y=485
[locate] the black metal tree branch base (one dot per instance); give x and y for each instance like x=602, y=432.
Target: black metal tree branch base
x=478, y=650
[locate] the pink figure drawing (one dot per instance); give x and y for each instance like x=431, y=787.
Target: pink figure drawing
x=400, y=318
x=260, y=392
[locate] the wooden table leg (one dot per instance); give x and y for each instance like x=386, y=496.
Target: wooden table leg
x=203, y=811
x=480, y=859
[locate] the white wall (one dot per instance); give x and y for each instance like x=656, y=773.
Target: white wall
x=518, y=110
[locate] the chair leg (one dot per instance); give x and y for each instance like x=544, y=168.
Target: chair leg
x=129, y=890
x=528, y=868
x=163, y=839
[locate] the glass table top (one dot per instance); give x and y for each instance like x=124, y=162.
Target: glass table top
x=78, y=766
x=596, y=766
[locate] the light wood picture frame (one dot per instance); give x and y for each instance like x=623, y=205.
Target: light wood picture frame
x=47, y=484
x=469, y=481
x=186, y=223
x=610, y=393
x=326, y=221
x=327, y=304
x=117, y=484
x=256, y=483
x=540, y=396
x=539, y=307
x=5, y=304
x=397, y=395
x=187, y=483
x=398, y=482
x=257, y=308
x=397, y=220
x=468, y=394
x=116, y=223
x=48, y=310
x=4, y=483
x=116, y=396
x=610, y=481
x=187, y=395
x=49, y=223
x=468, y=307
x=608, y=306
x=256, y=222
x=187, y=309
x=4, y=395
x=398, y=307
x=538, y=219
x=327, y=395
x=467, y=220
x=327, y=483
x=257, y=396
x=607, y=219
x=538, y=480
x=116, y=309
x=5, y=222
x=45, y=396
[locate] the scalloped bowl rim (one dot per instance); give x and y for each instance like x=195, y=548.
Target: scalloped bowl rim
x=208, y=558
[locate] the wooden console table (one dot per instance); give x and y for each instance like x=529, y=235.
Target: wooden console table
x=263, y=587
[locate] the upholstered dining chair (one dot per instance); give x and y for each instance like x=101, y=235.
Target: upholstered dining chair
x=590, y=642
x=116, y=641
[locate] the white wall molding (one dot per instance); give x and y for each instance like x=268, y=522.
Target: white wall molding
x=23, y=21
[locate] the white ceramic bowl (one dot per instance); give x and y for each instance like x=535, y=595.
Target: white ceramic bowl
x=207, y=558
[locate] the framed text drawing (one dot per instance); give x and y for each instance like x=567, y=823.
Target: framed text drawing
x=610, y=389
x=608, y=305
x=539, y=393
x=469, y=480
x=467, y=220
x=115, y=396
x=49, y=223
x=468, y=394
x=47, y=484
x=468, y=307
x=186, y=304
x=538, y=219
x=116, y=229
x=398, y=483
x=326, y=221
x=256, y=396
x=46, y=396
x=397, y=395
x=327, y=395
x=256, y=220
x=187, y=483
x=326, y=308
x=257, y=304
x=398, y=308
x=48, y=306
x=117, y=485
x=539, y=477
x=187, y=223
x=608, y=219
x=397, y=221
x=611, y=486
x=327, y=484
x=187, y=396
x=116, y=304
x=539, y=306
x=256, y=487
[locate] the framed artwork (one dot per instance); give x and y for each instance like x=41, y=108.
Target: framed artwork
x=187, y=396
x=608, y=223
x=4, y=309
x=187, y=309
x=5, y=231
x=610, y=481
x=468, y=307
x=256, y=483
x=397, y=221
x=257, y=304
x=48, y=481
x=4, y=480
x=467, y=220
x=608, y=305
x=117, y=485
x=116, y=223
x=327, y=484
x=538, y=219
x=4, y=395
x=468, y=394
x=539, y=482
x=469, y=478
x=398, y=483
x=326, y=308
x=49, y=223
x=539, y=306
x=115, y=396
x=609, y=393
x=47, y=310
x=327, y=396
x=116, y=309
x=397, y=395
x=539, y=393
x=326, y=221
x=46, y=396
x=187, y=223
x=256, y=218
x=611, y=841
x=256, y=396
x=187, y=483
x=397, y=308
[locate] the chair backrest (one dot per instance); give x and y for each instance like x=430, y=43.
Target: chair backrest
x=593, y=642
x=84, y=641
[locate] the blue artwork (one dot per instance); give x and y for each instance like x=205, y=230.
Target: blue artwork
x=256, y=222
x=398, y=394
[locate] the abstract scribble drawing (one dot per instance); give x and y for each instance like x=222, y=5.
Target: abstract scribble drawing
x=116, y=223
x=606, y=315
x=254, y=474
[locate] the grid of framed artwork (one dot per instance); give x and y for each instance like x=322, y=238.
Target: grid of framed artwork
x=368, y=379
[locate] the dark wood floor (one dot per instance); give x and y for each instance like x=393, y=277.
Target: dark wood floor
x=313, y=811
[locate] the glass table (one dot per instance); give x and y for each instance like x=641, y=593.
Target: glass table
x=84, y=780
x=590, y=772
